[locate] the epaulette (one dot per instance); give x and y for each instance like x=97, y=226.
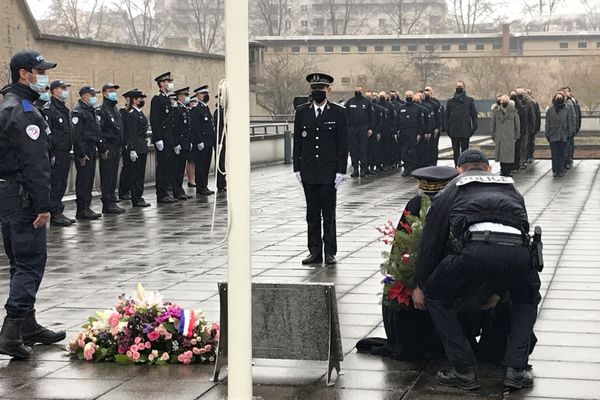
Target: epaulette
x=338, y=104
x=303, y=106
x=27, y=106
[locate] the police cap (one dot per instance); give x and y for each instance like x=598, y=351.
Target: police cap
x=319, y=79
x=87, y=89
x=472, y=156
x=202, y=89
x=109, y=86
x=135, y=94
x=433, y=179
x=29, y=59
x=185, y=91
x=129, y=92
x=58, y=84
x=164, y=77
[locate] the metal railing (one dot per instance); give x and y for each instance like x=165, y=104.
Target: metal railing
x=269, y=128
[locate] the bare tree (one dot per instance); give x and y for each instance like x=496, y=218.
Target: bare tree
x=208, y=18
x=339, y=14
x=144, y=26
x=67, y=17
x=543, y=9
x=388, y=76
x=468, y=13
x=592, y=12
x=427, y=67
x=271, y=17
x=405, y=16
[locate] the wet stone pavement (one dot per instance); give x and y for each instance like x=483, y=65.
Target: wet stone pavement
x=169, y=248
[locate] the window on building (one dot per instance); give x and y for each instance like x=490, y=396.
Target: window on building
x=345, y=49
x=479, y=46
x=412, y=47
x=429, y=47
x=312, y=49
x=564, y=45
x=362, y=49
x=382, y=23
x=278, y=49
x=396, y=48
x=304, y=7
x=346, y=80
x=329, y=49
x=497, y=46
x=304, y=23
x=446, y=47
x=462, y=47
x=598, y=45
x=378, y=48
x=582, y=45
x=319, y=23
x=361, y=78
x=295, y=49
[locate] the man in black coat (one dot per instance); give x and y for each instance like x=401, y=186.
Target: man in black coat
x=181, y=140
x=433, y=152
x=320, y=162
x=360, y=127
x=203, y=140
x=61, y=142
x=411, y=121
x=136, y=147
x=460, y=119
x=161, y=120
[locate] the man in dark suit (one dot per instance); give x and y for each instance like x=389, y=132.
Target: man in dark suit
x=203, y=140
x=320, y=162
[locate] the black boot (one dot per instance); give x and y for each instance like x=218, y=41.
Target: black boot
x=467, y=380
x=112, y=208
x=518, y=379
x=11, y=342
x=33, y=332
x=86, y=214
x=60, y=220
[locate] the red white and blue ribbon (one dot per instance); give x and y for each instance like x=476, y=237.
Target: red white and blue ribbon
x=186, y=323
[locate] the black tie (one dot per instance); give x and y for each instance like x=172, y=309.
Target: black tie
x=319, y=112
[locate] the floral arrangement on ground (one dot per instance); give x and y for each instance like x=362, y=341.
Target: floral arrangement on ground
x=143, y=329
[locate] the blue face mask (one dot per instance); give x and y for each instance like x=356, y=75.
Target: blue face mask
x=112, y=96
x=186, y=100
x=64, y=94
x=40, y=84
x=44, y=96
x=92, y=101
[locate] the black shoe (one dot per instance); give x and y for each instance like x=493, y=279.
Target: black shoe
x=362, y=174
x=354, y=174
x=182, y=197
x=406, y=173
x=312, y=259
x=204, y=192
x=140, y=203
x=125, y=197
x=87, y=214
x=11, y=342
x=568, y=166
x=112, y=208
x=330, y=260
x=466, y=381
x=60, y=220
x=166, y=200
x=191, y=185
x=33, y=333
x=518, y=379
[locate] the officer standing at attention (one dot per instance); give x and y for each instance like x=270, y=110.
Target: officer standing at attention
x=61, y=142
x=124, y=189
x=161, y=120
x=483, y=218
x=136, y=147
x=320, y=162
x=411, y=123
x=203, y=140
x=24, y=201
x=181, y=140
x=360, y=128
x=111, y=125
x=87, y=141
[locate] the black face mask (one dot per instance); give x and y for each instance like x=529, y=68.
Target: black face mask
x=427, y=97
x=141, y=103
x=498, y=102
x=358, y=94
x=560, y=102
x=381, y=98
x=460, y=90
x=409, y=99
x=513, y=97
x=392, y=98
x=520, y=96
x=504, y=105
x=205, y=98
x=318, y=96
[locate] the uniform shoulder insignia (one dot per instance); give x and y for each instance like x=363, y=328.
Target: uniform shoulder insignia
x=495, y=179
x=338, y=105
x=27, y=106
x=130, y=111
x=303, y=106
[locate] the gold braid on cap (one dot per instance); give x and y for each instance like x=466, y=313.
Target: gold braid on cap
x=431, y=187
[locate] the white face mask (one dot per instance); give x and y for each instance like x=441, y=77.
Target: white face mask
x=170, y=86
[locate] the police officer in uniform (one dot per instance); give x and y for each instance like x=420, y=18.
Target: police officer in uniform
x=87, y=142
x=438, y=109
x=124, y=189
x=182, y=142
x=411, y=124
x=59, y=121
x=161, y=120
x=423, y=145
x=136, y=147
x=203, y=140
x=111, y=124
x=320, y=162
x=482, y=217
x=24, y=201
x=360, y=127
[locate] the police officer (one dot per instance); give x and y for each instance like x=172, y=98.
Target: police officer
x=423, y=145
x=374, y=157
x=360, y=127
x=24, y=201
x=483, y=218
x=111, y=124
x=203, y=140
x=438, y=109
x=161, y=120
x=87, y=142
x=320, y=162
x=136, y=147
x=124, y=189
x=411, y=125
x=59, y=121
x=182, y=141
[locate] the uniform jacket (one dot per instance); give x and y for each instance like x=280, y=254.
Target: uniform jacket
x=438, y=113
x=428, y=116
x=461, y=116
x=136, y=128
x=182, y=127
x=505, y=128
x=111, y=122
x=203, y=128
x=24, y=145
x=411, y=121
x=58, y=119
x=558, y=123
x=360, y=112
x=320, y=145
x=161, y=119
x=86, y=131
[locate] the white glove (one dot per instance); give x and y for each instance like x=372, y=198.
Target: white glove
x=52, y=161
x=298, y=176
x=160, y=145
x=201, y=146
x=177, y=149
x=338, y=179
x=133, y=156
x=191, y=145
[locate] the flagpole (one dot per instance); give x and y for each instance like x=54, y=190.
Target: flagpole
x=239, y=299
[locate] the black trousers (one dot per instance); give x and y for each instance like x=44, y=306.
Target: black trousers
x=505, y=169
x=202, y=161
x=25, y=247
x=109, y=173
x=433, y=150
x=373, y=151
x=421, y=152
x=84, y=182
x=531, y=145
x=136, y=176
x=504, y=268
x=320, y=203
x=459, y=145
x=358, y=138
x=165, y=171
x=558, y=151
x=409, y=158
x=179, y=163
x=221, y=179
x=517, y=162
x=59, y=177
x=124, y=179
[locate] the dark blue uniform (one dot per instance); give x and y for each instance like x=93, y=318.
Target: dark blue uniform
x=136, y=126
x=181, y=132
x=203, y=131
x=111, y=125
x=360, y=121
x=161, y=120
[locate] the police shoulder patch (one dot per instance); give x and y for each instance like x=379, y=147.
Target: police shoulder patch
x=33, y=131
x=75, y=120
x=485, y=179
